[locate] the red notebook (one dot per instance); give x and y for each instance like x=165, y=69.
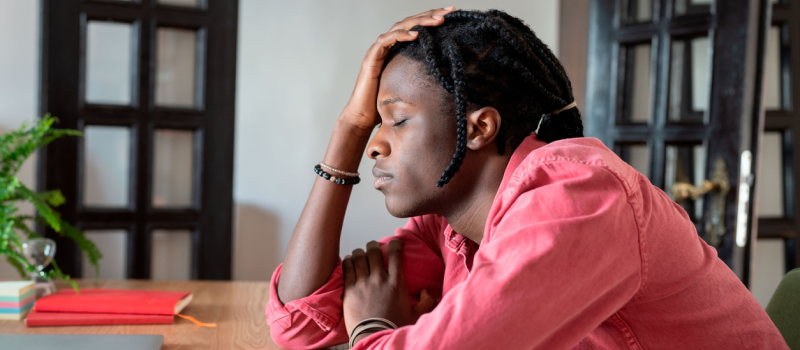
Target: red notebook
x=44, y=319
x=107, y=306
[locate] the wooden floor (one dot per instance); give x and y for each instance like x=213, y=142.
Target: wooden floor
x=236, y=307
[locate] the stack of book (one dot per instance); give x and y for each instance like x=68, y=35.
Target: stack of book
x=16, y=299
x=106, y=307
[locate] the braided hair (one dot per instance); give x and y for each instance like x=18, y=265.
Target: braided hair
x=494, y=59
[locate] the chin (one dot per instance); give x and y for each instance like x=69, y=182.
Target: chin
x=398, y=210
x=411, y=205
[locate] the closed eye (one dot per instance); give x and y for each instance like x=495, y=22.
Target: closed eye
x=400, y=122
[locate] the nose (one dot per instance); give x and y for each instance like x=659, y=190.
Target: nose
x=379, y=146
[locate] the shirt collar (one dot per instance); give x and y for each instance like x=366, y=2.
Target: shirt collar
x=528, y=145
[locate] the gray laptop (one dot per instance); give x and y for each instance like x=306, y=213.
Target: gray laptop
x=81, y=341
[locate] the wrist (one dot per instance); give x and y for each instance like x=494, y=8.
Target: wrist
x=346, y=146
x=369, y=326
x=362, y=336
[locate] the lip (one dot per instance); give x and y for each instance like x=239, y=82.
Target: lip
x=381, y=178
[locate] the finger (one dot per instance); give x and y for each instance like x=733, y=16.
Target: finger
x=395, y=255
x=388, y=39
x=360, y=264
x=425, y=21
x=434, y=12
x=380, y=49
x=375, y=258
x=429, y=19
x=349, y=271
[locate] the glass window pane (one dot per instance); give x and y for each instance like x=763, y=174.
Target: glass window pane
x=106, y=166
x=769, y=182
x=637, y=156
x=689, y=80
x=171, y=255
x=173, y=168
x=109, y=63
x=636, y=89
x=186, y=3
x=113, y=244
x=683, y=7
x=638, y=11
x=686, y=164
x=175, y=67
x=768, y=269
x=776, y=84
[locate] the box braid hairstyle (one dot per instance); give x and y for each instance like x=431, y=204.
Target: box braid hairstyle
x=494, y=59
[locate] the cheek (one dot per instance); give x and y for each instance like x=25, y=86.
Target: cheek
x=429, y=154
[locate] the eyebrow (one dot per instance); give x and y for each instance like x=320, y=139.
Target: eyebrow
x=392, y=100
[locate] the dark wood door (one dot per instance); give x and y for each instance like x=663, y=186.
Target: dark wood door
x=778, y=199
x=151, y=85
x=674, y=87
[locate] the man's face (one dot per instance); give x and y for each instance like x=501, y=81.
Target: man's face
x=414, y=142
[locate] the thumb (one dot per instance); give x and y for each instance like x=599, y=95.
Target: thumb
x=426, y=303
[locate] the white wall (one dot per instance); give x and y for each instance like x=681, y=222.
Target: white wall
x=19, y=67
x=297, y=64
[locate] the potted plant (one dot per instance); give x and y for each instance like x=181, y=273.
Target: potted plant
x=15, y=228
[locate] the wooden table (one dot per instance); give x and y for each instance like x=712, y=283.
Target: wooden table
x=236, y=307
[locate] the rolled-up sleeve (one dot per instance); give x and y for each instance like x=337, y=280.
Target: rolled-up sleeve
x=562, y=256
x=317, y=321
x=311, y=322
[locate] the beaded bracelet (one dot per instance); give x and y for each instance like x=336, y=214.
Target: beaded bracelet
x=369, y=326
x=337, y=180
x=342, y=172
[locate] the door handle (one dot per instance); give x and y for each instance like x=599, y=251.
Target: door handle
x=718, y=186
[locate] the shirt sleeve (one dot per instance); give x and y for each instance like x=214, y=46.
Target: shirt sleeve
x=563, y=256
x=317, y=321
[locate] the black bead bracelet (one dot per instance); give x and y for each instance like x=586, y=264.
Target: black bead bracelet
x=337, y=180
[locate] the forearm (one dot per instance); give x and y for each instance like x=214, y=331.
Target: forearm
x=314, y=247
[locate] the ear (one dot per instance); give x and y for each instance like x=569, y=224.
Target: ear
x=482, y=127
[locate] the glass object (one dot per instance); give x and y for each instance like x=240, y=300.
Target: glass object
x=770, y=177
x=776, y=83
x=109, y=63
x=768, y=268
x=114, y=246
x=683, y=7
x=637, y=156
x=689, y=82
x=173, y=168
x=106, y=166
x=184, y=3
x=637, y=11
x=636, y=86
x=686, y=163
x=40, y=252
x=171, y=255
x=176, y=67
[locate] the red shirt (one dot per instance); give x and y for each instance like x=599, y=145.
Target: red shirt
x=579, y=251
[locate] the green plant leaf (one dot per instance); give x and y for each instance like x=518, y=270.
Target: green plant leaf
x=52, y=217
x=15, y=147
x=54, y=197
x=56, y=273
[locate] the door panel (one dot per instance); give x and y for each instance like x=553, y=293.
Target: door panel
x=684, y=105
x=151, y=84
